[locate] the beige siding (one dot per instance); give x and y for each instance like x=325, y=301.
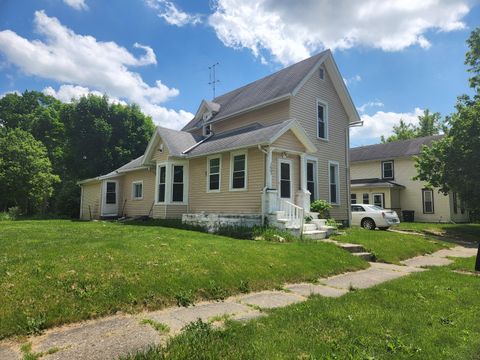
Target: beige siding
x=271, y=114
x=136, y=207
x=410, y=197
x=160, y=156
x=226, y=201
x=304, y=110
x=91, y=201
x=289, y=141
x=169, y=211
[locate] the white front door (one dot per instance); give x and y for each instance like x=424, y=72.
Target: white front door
x=285, y=178
x=110, y=198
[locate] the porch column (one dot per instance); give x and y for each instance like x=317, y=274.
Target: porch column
x=269, y=176
x=303, y=195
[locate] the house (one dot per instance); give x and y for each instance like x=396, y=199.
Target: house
x=268, y=148
x=383, y=175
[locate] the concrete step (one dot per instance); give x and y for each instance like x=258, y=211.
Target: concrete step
x=315, y=234
x=353, y=248
x=309, y=227
x=365, y=256
x=329, y=229
x=319, y=222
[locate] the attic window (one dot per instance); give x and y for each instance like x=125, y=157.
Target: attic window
x=207, y=129
x=321, y=73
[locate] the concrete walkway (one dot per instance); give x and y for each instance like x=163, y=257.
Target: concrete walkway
x=111, y=337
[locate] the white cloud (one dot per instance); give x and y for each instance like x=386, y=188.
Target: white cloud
x=81, y=60
x=168, y=11
x=352, y=80
x=381, y=123
x=10, y=92
x=67, y=93
x=77, y=4
x=370, y=104
x=291, y=31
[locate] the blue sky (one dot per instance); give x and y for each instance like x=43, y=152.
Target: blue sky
x=397, y=57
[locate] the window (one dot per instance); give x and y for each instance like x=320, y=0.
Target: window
x=379, y=200
x=311, y=180
x=321, y=73
x=455, y=203
x=387, y=169
x=285, y=179
x=353, y=198
x=207, y=129
x=334, y=182
x=111, y=193
x=137, y=190
x=357, y=208
x=213, y=173
x=366, y=198
x=238, y=168
x=427, y=197
x=177, y=184
x=162, y=174
x=322, y=120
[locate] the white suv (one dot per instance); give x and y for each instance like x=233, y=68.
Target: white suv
x=373, y=216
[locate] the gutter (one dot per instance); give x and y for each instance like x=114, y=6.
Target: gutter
x=184, y=152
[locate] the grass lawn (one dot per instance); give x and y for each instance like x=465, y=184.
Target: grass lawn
x=464, y=264
x=60, y=271
x=389, y=246
x=465, y=232
x=429, y=315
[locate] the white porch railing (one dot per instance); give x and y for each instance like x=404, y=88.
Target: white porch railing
x=294, y=214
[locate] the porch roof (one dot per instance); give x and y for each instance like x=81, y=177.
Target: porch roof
x=374, y=183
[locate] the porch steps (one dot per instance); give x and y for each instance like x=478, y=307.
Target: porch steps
x=354, y=249
x=315, y=234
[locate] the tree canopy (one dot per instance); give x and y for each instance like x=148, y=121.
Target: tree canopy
x=452, y=164
x=82, y=139
x=428, y=124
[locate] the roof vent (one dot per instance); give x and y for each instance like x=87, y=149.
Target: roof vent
x=321, y=73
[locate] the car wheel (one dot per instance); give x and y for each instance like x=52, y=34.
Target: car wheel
x=368, y=224
x=384, y=228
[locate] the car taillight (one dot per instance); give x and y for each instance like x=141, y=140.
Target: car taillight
x=383, y=214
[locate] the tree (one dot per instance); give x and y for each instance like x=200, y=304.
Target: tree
x=452, y=163
x=428, y=124
x=26, y=178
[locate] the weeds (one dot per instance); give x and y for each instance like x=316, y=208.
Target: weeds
x=160, y=327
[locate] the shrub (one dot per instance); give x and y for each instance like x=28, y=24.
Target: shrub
x=14, y=212
x=268, y=233
x=322, y=207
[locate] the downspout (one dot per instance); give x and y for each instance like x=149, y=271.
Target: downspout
x=184, y=152
x=264, y=190
x=347, y=165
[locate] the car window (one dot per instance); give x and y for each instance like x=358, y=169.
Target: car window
x=357, y=208
x=375, y=207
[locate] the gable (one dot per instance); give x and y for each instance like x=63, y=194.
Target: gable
x=289, y=141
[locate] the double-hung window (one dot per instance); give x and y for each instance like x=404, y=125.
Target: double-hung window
x=311, y=174
x=387, y=169
x=353, y=198
x=213, y=173
x=137, y=190
x=177, y=183
x=162, y=179
x=238, y=167
x=322, y=120
x=333, y=175
x=366, y=198
x=427, y=198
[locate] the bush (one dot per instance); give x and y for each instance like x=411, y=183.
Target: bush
x=268, y=233
x=14, y=212
x=322, y=207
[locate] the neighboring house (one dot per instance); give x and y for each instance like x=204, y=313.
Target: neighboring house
x=383, y=175
x=272, y=145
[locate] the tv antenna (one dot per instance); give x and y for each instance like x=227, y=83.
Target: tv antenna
x=212, y=77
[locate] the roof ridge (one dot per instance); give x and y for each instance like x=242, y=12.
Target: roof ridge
x=397, y=141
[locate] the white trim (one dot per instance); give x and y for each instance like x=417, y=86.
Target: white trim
x=382, y=197
x=314, y=159
x=279, y=177
x=382, y=164
x=185, y=182
x=81, y=202
x=232, y=155
x=157, y=178
x=219, y=156
x=104, y=197
x=133, y=197
x=325, y=118
x=310, y=73
x=337, y=183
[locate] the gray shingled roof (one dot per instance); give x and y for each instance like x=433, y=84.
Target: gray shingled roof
x=281, y=83
x=176, y=141
x=250, y=135
x=390, y=150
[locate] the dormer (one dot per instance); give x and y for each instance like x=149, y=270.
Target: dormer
x=205, y=113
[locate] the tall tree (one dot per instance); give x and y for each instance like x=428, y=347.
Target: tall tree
x=402, y=131
x=428, y=124
x=26, y=178
x=452, y=163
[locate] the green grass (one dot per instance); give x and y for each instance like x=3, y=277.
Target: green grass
x=389, y=246
x=429, y=315
x=57, y=271
x=465, y=232
x=464, y=264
